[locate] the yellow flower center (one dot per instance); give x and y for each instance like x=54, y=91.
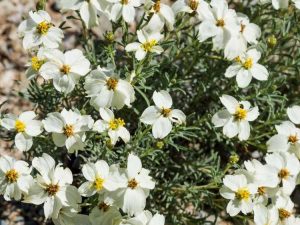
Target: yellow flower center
x=238, y=59
x=242, y=28
x=261, y=190
x=283, y=214
x=284, y=173
x=240, y=113
x=148, y=45
x=98, y=183
x=69, y=130
x=65, y=69
x=12, y=176
x=156, y=6
x=36, y=64
x=132, y=183
x=52, y=189
x=43, y=27
x=242, y=194
x=111, y=83
x=220, y=23
x=248, y=63
x=193, y=4
x=293, y=139
x=124, y=2
x=166, y=112
x=103, y=207
x=20, y=126
x=116, y=123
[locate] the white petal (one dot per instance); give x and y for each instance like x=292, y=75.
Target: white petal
x=244, y=130
x=294, y=114
x=230, y=103
x=23, y=142
x=259, y=72
x=134, y=166
x=177, y=116
x=161, y=128
x=220, y=118
x=243, y=78
x=230, y=129
x=134, y=201
x=150, y=115
x=162, y=99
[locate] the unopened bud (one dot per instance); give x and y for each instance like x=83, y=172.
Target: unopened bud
x=272, y=41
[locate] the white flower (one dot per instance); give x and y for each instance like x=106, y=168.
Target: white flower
x=15, y=178
x=264, y=176
x=265, y=215
x=294, y=114
x=135, y=186
x=26, y=127
x=201, y=7
x=114, y=126
x=36, y=63
x=235, y=118
x=65, y=68
x=246, y=33
x=53, y=187
x=145, y=218
x=105, y=213
x=87, y=9
x=148, y=43
x=70, y=216
x=124, y=8
x=38, y=30
x=285, y=207
x=219, y=24
x=99, y=179
x=246, y=67
x=160, y=14
x=68, y=129
x=287, y=168
x=240, y=193
x=162, y=115
x=287, y=139
x=107, y=90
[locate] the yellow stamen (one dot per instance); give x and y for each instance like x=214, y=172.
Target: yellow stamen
x=98, y=183
x=284, y=173
x=36, y=64
x=284, y=214
x=248, y=63
x=52, y=189
x=156, y=6
x=220, y=23
x=103, y=207
x=12, y=176
x=69, y=130
x=132, y=183
x=116, y=123
x=240, y=113
x=43, y=27
x=193, y=4
x=148, y=45
x=242, y=194
x=166, y=112
x=293, y=139
x=124, y=2
x=261, y=190
x=65, y=69
x=20, y=126
x=242, y=28
x=111, y=83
